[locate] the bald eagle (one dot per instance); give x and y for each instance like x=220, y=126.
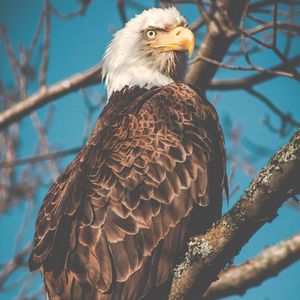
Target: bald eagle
x=151, y=175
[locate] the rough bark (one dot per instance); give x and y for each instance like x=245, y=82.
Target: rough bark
x=208, y=254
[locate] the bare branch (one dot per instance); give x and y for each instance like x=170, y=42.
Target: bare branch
x=259, y=4
x=84, y=4
x=10, y=51
x=289, y=27
x=17, y=262
x=217, y=41
x=208, y=254
x=237, y=280
x=46, y=95
x=289, y=37
x=246, y=82
x=197, y=24
x=44, y=144
x=275, y=26
x=276, y=51
x=203, y=12
x=203, y=71
x=38, y=158
x=46, y=45
x=122, y=11
x=240, y=68
x=36, y=35
x=286, y=118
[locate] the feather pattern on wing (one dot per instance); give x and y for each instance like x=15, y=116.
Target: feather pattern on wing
x=115, y=223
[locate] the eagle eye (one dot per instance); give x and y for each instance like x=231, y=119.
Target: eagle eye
x=150, y=34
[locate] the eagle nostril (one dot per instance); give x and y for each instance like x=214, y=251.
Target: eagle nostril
x=178, y=32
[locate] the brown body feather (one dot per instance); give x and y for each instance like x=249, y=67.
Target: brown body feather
x=151, y=175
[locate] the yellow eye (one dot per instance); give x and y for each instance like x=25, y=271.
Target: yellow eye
x=150, y=34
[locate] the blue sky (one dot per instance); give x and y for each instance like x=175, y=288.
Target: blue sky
x=78, y=44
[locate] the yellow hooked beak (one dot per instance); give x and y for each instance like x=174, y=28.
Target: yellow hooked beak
x=177, y=39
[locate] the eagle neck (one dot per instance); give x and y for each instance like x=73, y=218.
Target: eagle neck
x=131, y=76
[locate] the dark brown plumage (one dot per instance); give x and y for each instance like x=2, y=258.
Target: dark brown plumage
x=151, y=175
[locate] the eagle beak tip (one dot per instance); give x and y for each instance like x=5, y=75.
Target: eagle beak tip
x=191, y=50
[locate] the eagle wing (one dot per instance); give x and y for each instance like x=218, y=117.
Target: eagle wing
x=120, y=212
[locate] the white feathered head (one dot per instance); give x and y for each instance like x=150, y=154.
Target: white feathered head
x=148, y=51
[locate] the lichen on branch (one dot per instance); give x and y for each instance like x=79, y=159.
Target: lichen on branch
x=208, y=254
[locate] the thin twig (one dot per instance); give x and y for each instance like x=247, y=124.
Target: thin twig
x=46, y=45
x=289, y=27
x=197, y=24
x=240, y=68
x=286, y=118
x=259, y=4
x=14, y=264
x=38, y=158
x=44, y=144
x=36, y=35
x=79, y=12
x=274, y=28
x=246, y=82
x=122, y=10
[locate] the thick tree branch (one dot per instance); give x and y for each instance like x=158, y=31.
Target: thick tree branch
x=237, y=280
x=217, y=40
x=208, y=254
x=46, y=95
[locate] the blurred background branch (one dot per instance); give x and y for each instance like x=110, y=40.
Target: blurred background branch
x=237, y=280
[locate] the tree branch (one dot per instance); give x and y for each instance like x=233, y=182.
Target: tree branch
x=240, y=68
x=84, y=5
x=15, y=263
x=46, y=46
x=285, y=118
x=290, y=27
x=246, y=82
x=259, y=4
x=237, y=280
x=216, y=42
x=39, y=158
x=208, y=254
x=214, y=47
x=122, y=11
x=46, y=95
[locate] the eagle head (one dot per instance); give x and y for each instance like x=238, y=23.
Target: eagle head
x=149, y=51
